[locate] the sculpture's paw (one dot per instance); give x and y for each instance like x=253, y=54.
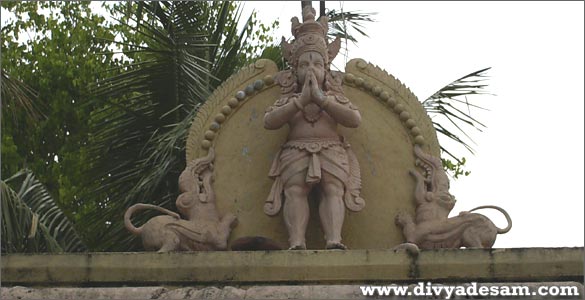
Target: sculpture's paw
x=408, y=247
x=335, y=246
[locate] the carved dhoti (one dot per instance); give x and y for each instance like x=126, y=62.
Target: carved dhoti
x=313, y=156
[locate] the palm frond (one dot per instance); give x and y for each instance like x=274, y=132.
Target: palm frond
x=274, y=53
x=31, y=219
x=341, y=23
x=225, y=62
x=19, y=97
x=451, y=104
x=138, y=137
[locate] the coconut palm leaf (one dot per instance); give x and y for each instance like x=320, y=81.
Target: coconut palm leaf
x=450, y=105
x=341, y=23
x=31, y=219
x=274, y=53
x=184, y=51
x=19, y=97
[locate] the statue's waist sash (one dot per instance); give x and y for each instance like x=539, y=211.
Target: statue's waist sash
x=315, y=155
x=313, y=145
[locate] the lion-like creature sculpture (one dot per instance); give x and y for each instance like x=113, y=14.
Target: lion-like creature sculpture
x=432, y=228
x=201, y=230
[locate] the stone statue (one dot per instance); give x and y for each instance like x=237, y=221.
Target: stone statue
x=431, y=227
x=315, y=155
x=201, y=230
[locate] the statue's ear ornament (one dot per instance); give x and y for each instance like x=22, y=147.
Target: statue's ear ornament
x=333, y=49
x=286, y=50
x=295, y=24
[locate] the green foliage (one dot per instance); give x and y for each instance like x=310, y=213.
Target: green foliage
x=449, y=106
x=455, y=168
x=175, y=54
x=343, y=22
x=62, y=49
x=274, y=53
x=18, y=97
x=9, y=154
x=20, y=226
x=31, y=220
x=50, y=46
x=260, y=38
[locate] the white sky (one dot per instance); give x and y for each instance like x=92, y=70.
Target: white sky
x=529, y=160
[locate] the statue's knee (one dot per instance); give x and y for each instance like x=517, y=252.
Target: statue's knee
x=295, y=191
x=333, y=188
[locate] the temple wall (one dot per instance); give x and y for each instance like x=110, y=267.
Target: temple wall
x=277, y=274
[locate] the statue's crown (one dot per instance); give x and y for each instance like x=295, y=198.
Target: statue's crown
x=310, y=35
x=309, y=25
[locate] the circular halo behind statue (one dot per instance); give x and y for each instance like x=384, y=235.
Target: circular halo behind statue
x=393, y=121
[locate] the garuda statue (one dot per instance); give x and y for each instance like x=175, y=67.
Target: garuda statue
x=315, y=156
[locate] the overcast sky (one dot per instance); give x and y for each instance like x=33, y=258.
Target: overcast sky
x=529, y=159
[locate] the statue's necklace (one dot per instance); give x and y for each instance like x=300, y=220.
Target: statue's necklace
x=312, y=112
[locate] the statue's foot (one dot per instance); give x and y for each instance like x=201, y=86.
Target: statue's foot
x=335, y=246
x=408, y=247
x=298, y=247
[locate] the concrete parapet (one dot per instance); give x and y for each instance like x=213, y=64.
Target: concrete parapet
x=293, y=267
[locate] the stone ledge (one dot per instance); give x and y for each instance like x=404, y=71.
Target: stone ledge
x=293, y=267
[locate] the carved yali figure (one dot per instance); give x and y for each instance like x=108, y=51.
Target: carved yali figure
x=315, y=155
x=431, y=227
x=202, y=229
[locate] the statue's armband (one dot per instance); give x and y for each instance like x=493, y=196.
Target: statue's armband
x=341, y=99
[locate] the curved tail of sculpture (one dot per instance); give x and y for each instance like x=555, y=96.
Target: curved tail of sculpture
x=508, y=219
x=141, y=206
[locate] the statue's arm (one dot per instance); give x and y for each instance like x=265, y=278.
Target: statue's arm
x=345, y=114
x=280, y=113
